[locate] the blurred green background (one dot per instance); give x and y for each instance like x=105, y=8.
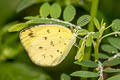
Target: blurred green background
x=14, y=62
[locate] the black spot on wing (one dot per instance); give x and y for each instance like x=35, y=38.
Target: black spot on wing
x=57, y=50
x=51, y=43
x=60, y=52
x=60, y=37
x=45, y=38
x=59, y=30
x=48, y=30
x=51, y=56
x=64, y=43
x=40, y=47
x=31, y=34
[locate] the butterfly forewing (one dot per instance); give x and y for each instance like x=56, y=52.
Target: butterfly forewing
x=47, y=45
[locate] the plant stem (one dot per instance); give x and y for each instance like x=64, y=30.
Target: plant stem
x=96, y=50
x=113, y=33
x=87, y=50
x=93, y=13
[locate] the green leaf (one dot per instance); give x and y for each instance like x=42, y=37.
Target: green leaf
x=96, y=35
x=31, y=17
x=55, y=10
x=85, y=74
x=103, y=56
x=8, y=26
x=65, y=77
x=111, y=62
x=83, y=20
x=43, y=21
x=86, y=63
x=45, y=10
x=69, y=13
x=47, y=21
x=116, y=77
x=89, y=40
x=25, y=3
x=110, y=70
x=17, y=71
x=82, y=32
x=109, y=49
x=17, y=27
x=114, y=42
x=97, y=24
x=116, y=25
x=80, y=53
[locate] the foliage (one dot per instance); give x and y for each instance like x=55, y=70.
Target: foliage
x=45, y=10
x=55, y=10
x=69, y=13
x=83, y=20
x=86, y=63
x=85, y=74
x=97, y=39
x=18, y=71
x=65, y=77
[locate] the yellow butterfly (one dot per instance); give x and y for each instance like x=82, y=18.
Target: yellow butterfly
x=47, y=45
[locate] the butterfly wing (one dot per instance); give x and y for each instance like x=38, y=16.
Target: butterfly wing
x=47, y=45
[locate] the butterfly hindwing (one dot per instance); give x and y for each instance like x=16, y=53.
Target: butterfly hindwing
x=47, y=45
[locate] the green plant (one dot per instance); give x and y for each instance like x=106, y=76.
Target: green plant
x=91, y=38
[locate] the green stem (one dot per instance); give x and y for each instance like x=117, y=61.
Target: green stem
x=96, y=47
x=93, y=13
x=113, y=33
x=87, y=50
x=96, y=50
